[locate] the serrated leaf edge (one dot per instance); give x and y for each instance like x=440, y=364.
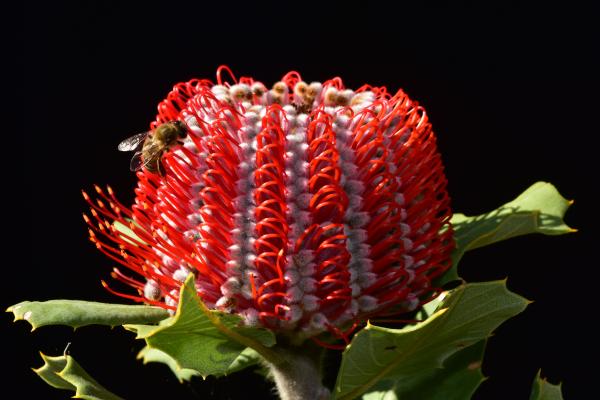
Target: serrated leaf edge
x=26, y=316
x=189, y=287
x=539, y=379
x=457, y=254
x=443, y=310
x=141, y=356
x=69, y=364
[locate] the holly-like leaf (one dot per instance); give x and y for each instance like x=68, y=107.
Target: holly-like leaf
x=202, y=340
x=149, y=354
x=247, y=358
x=63, y=372
x=408, y=356
x=457, y=380
x=539, y=209
x=77, y=313
x=543, y=390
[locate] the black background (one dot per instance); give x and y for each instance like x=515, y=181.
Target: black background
x=511, y=92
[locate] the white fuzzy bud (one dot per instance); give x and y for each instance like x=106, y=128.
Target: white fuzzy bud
x=310, y=303
x=231, y=287
x=250, y=317
x=318, y=322
x=303, y=257
x=309, y=285
x=294, y=294
x=152, y=290
x=181, y=274
x=292, y=276
x=367, y=303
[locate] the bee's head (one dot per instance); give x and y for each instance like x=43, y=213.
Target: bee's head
x=170, y=132
x=182, y=129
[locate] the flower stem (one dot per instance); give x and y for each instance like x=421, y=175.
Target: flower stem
x=299, y=376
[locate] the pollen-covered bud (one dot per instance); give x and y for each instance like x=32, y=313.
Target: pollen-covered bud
x=313, y=91
x=305, y=95
x=300, y=91
x=279, y=93
x=280, y=88
x=331, y=95
x=344, y=97
x=362, y=100
x=258, y=89
x=240, y=93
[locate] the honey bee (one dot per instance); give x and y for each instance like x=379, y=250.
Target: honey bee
x=150, y=146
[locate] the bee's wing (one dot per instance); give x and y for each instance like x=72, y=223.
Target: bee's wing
x=132, y=143
x=153, y=150
x=143, y=158
x=136, y=161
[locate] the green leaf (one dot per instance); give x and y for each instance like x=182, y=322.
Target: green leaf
x=205, y=341
x=63, y=372
x=247, y=358
x=457, y=380
x=540, y=209
x=409, y=355
x=429, y=308
x=76, y=313
x=48, y=372
x=149, y=354
x=126, y=233
x=542, y=390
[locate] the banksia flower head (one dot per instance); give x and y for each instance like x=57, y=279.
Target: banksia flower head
x=303, y=207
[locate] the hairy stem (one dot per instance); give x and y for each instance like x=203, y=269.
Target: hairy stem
x=299, y=376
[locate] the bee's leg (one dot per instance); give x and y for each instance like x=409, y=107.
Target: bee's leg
x=159, y=167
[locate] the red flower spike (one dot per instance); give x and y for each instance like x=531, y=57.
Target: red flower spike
x=303, y=208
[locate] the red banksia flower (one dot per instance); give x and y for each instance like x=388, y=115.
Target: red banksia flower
x=303, y=208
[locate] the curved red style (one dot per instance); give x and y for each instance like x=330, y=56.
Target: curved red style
x=304, y=207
